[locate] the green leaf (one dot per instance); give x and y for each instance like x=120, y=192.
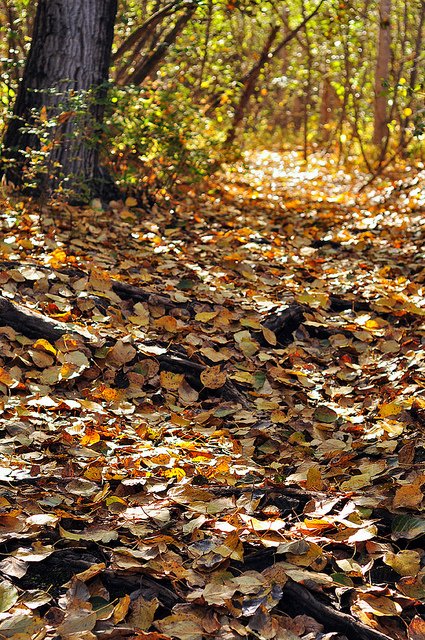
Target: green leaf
x=185, y=284
x=259, y=380
x=409, y=527
x=8, y=595
x=342, y=578
x=325, y=414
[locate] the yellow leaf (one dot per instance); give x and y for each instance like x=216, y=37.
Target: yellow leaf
x=99, y=280
x=43, y=114
x=406, y=563
x=279, y=417
x=121, y=609
x=390, y=409
x=212, y=354
x=6, y=378
x=243, y=376
x=378, y=605
x=44, y=345
x=177, y=473
x=168, y=323
x=305, y=559
x=93, y=473
x=318, y=524
x=205, y=316
x=231, y=547
x=107, y=393
x=250, y=322
x=91, y=572
x=57, y=258
x=356, y=482
x=131, y=202
x=90, y=437
x=248, y=347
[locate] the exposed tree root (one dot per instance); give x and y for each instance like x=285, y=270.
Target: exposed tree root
x=337, y=303
x=284, y=323
x=331, y=619
x=303, y=599
x=30, y=323
x=36, y=325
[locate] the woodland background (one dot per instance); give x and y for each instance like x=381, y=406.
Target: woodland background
x=188, y=77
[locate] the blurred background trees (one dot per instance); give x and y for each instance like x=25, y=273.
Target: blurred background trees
x=190, y=78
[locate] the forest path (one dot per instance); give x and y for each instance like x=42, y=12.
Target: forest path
x=184, y=510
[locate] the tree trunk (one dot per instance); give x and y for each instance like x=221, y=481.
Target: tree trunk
x=68, y=62
x=249, y=86
x=414, y=72
x=149, y=65
x=249, y=80
x=382, y=72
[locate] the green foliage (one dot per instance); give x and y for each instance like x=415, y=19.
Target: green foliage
x=64, y=120
x=317, y=93
x=158, y=137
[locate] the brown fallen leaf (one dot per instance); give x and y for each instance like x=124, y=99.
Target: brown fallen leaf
x=213, y=377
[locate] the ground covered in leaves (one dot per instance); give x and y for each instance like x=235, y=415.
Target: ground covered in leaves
x=171, y=466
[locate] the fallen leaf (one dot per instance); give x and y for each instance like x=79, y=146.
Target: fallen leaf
x=213, y=377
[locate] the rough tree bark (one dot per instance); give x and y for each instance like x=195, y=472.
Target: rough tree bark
x=382, y=72
x=69, y=55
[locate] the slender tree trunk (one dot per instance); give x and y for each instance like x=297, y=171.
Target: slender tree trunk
x=397, y=72
x=249, y=87
x=69, y=55
x=307, y=86
x=414, y=71
x=250, y=78
x=204, y=60
x=134, y=39
x=382, y=72
x=147, y=66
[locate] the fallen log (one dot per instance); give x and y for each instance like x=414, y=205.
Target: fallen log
x=283, y=322
x=68, y=561
x=337, y=303
x=331, y=619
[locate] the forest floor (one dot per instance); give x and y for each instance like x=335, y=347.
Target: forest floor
x=182, y=458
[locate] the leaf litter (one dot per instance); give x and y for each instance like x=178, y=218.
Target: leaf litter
x=173, y=464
